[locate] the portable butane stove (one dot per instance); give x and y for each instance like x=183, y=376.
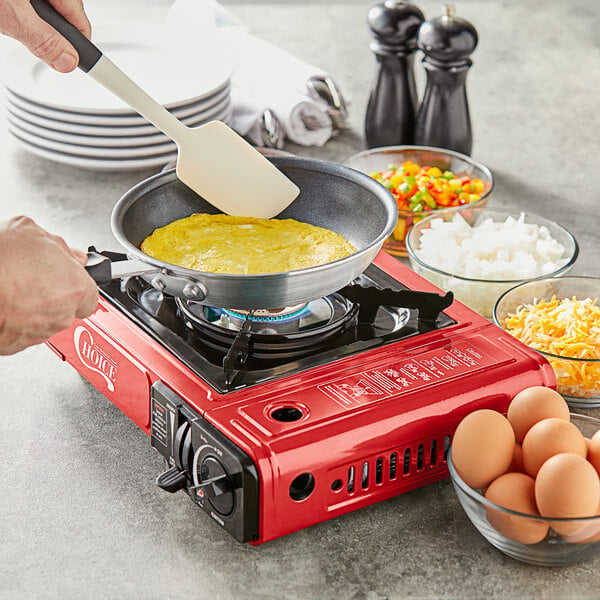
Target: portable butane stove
x=272, y=421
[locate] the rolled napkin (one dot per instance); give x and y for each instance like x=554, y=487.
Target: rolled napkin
x=265, y=77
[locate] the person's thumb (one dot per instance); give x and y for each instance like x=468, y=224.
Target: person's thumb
x=46, y=43
x=79, y=255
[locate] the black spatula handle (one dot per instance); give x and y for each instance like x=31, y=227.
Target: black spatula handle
x=89, y=55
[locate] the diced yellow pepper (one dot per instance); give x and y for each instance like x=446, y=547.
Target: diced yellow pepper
x=477, y=186
x=397, y=179
x=400, y=230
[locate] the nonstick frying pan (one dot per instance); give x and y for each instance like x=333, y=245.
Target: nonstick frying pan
x=331, y=195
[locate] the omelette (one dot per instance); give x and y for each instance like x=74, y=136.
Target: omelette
x=244, y=245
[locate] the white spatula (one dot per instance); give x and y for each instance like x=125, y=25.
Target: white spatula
x=206, y=154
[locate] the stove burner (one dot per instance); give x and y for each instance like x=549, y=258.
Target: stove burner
x=264, y=315
x=290, y=333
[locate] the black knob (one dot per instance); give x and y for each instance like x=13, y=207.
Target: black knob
x=394, y=25
x=172, y=480
x=214, y=482
x=448, y=39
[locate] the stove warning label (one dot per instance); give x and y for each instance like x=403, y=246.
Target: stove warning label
x=407, y=375
x=159, y=423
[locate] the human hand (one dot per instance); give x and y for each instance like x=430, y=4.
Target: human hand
x=19, y=21
x=44, y=285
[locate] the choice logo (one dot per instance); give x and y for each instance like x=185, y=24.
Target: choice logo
x=93, y=357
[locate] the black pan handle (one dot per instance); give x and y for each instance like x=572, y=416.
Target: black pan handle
x=89, y=55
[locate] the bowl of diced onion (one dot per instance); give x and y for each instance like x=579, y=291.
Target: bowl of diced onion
x=559, y=318
x=423, y=181
x=479, y=253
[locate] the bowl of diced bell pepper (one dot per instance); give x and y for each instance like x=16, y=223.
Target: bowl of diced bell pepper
x=424, y=180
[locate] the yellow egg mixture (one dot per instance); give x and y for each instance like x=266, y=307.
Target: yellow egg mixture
x=244, y=245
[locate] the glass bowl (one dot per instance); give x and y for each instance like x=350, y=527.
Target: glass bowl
x=577, y=379
x=378, y=159
x=481, y=294
x=580, y=538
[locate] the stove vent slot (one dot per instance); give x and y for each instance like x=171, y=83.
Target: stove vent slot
x=365, y=476
x=446, y=447
x=420, y=457
x=393, y=459
x=406, y=461
x=433, y=453
x=379, y=470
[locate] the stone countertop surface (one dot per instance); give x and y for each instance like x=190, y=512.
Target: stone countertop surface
x=81, y=516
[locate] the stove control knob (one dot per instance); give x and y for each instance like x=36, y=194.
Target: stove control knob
x=172, y=480
x=214, y=481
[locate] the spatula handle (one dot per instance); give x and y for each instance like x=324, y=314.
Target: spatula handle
x=89, y=55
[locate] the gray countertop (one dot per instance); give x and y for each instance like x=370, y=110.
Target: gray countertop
x=80, y=514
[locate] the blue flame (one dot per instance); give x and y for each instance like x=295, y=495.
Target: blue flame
x=269, y=318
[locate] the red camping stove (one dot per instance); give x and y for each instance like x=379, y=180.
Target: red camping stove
x=272, y=421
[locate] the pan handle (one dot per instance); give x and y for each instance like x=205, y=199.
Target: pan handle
x=89, y=55
x=103, y=270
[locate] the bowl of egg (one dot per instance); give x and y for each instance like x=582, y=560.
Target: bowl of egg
x=559, y=318
x=479, y=253
x=529, y=481
x=424, y=181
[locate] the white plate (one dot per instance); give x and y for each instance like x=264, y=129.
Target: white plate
x=133, y=120
x=103, y=136
x=89, y=164
x=145, y=52
x=95, y=151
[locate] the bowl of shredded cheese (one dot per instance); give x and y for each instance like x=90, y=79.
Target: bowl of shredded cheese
x=559, y=318
x=478, y=253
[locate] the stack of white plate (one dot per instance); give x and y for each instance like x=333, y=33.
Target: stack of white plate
x=74, y=120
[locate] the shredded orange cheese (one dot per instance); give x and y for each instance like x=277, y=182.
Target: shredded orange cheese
x=568, y=328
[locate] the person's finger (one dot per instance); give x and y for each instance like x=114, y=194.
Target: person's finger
x=43, y=40
x=79, y=255
x=72, y=11
x=57, y=239
x=88, y=304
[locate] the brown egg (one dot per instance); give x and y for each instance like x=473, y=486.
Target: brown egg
x=482, y=447
x=567, y=486
x=515, y=491
x=532, y=405
x=547, y=438
x=516, y=464
x=593, y=454
x=580, y=532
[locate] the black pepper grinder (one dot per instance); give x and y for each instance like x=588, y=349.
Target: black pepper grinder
x=390, y=117
x=443, y=119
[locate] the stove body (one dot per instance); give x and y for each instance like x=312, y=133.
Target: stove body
x=309, y=438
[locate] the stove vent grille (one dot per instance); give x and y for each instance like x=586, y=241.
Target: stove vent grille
x=394, y=467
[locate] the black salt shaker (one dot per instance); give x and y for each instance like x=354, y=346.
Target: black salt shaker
x=390, y=116
x=443, y=118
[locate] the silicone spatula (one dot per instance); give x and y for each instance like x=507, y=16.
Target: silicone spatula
x=206, y=154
